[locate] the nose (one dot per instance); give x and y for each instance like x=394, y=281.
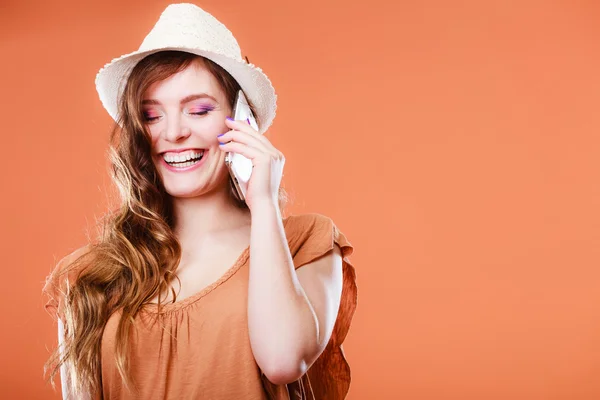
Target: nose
x=176, y=129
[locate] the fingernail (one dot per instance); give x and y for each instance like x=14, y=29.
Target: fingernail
x=248, y=120
x=221, y=134
x=229, y=118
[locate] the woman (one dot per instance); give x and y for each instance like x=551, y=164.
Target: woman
x=191, y=292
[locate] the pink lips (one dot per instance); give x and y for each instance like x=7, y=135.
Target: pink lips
x=186, y=169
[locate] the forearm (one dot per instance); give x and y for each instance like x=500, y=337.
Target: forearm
x=282, y=323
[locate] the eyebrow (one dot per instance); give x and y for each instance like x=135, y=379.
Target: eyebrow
x=186, y=99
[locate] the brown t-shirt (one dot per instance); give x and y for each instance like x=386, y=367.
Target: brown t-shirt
x=200, y=348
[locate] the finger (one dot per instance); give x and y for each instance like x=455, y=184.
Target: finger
x=245, y=150
x=242, y=137
x=244, y=126
x=250, y=140
x=241, y=125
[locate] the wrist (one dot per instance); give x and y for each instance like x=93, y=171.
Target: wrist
x=265, y=206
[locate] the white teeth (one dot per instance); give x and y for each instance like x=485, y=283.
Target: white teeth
x=186, y=164
x=172, y=157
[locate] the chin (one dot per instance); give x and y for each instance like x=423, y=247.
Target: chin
x=183, y=190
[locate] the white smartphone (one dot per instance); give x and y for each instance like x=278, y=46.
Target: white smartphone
x=240, y=167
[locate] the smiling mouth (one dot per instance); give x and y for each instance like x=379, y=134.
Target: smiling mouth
x=183, y=164
x=184, y=160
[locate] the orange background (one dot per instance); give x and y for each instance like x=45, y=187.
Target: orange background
x=456, y=146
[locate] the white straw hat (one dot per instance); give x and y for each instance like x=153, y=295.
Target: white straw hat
x=187, y=27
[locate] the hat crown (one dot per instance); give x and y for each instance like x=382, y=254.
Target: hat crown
x=187, y=25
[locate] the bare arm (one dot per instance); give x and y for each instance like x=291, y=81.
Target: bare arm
x=63, y=368
x=291, y=313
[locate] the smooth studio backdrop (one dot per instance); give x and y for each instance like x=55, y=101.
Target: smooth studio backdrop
x=456, y=144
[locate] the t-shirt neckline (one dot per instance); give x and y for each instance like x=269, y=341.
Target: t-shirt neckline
x=168, y=307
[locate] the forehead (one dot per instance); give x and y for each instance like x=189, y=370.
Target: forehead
x=195, y=78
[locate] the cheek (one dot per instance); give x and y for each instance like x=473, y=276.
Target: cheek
x=154, y=138
x=209, y=131
x=216, y=126
x=154, y=131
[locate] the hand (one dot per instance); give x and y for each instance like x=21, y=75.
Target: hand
x=267, y=161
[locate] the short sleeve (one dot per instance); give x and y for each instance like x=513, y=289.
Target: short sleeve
x=311, y=236
x=58, y=281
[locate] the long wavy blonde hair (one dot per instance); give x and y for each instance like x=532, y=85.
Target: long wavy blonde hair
x=136, y=252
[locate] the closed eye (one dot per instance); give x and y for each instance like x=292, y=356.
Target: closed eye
x=147, y=118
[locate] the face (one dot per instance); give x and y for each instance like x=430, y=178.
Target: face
x=184, y=114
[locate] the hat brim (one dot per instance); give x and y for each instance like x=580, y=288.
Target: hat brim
x=111, y=80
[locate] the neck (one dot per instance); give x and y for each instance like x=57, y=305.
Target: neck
x=207, y=215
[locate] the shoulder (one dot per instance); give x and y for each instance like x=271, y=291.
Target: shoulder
x=300, y=227
x=61, y=278
x=66, y=262
x=307, y=221
x=66, y=270
x=312, y=235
